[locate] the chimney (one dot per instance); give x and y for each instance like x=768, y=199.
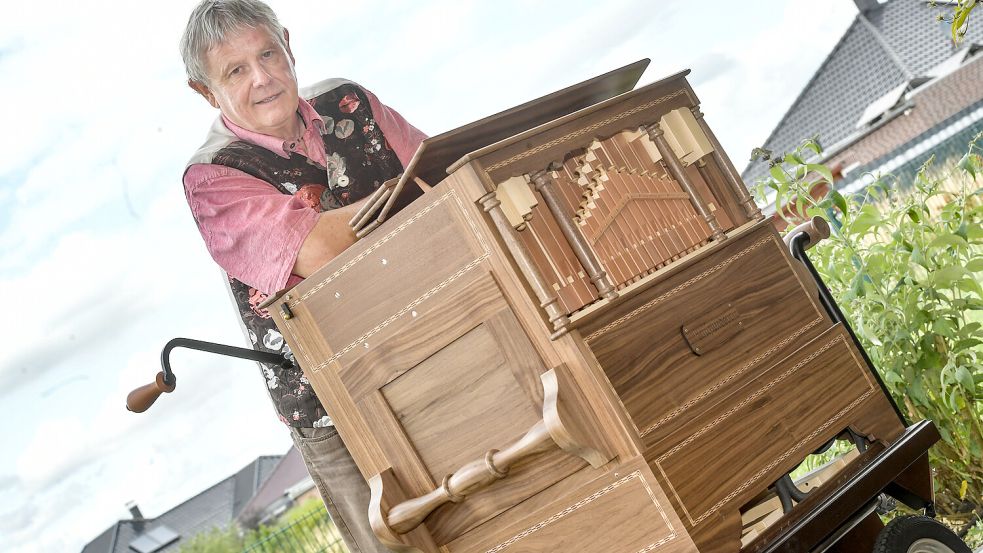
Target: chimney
x=134, y=510
x=866, y=5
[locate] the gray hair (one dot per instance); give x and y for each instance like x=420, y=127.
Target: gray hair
x=214, y=20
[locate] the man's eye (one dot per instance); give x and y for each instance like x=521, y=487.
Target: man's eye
x=268, y=54
x=235, y=71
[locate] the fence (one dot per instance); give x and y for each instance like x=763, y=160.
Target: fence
x=313, y=532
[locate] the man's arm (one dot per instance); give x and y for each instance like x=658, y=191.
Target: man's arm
x=330, y=236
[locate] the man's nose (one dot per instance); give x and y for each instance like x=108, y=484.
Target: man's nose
x=261, y=76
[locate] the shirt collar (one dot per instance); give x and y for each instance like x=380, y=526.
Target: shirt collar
x=313, y=126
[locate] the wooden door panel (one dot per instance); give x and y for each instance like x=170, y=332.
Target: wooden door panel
x=444, y=399
x=460, y=402
x=707, y=331
x=742, y=444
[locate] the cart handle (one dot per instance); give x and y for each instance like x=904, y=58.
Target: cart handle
x=816, y=228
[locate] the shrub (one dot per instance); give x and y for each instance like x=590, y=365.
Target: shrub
x=907, y=277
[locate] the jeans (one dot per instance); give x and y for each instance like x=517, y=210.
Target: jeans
x=343, y=490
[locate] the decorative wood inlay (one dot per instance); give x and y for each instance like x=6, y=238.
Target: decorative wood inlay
x=629, y=316
x=839, y=339
x=389, y=236
x=587, y=501
x=485, y=254
x=585, y=130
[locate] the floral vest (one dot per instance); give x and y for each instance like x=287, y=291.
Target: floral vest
x=358, y=161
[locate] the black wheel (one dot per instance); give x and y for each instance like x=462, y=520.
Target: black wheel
x=918, y=534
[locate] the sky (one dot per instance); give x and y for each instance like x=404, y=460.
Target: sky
x=100, y=259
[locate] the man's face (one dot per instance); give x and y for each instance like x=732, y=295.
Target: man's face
x=251, y=79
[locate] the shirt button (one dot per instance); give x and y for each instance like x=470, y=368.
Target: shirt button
x=343, y=180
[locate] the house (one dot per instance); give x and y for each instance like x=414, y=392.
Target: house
x=254, y=492
x=894, y=90
x=288, y=484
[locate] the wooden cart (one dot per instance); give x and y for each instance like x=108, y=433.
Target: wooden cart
x=585, y=337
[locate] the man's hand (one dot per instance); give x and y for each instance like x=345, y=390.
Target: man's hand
x=329, y=237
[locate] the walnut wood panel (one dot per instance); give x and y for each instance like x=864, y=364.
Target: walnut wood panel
x=420, y=256
x=454, y=390
x=305, y=340
x=623, y=510
x=644, y=351
x=798, y=404
x=431, y=326
x=471, y=387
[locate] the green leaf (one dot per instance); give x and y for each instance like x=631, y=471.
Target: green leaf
x=946, y=276
x=778, y=174
x=975, y=265
x=963, y=231
x=919, y=273
x=857, y=286
x=953, y=240
x=913, y=215
x=838, y=200
x=813, y=144
x=822, y=170
x=965, y=379
x=966, y=344
x=968, y=163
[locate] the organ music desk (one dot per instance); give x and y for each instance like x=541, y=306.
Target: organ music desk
x=583, y=336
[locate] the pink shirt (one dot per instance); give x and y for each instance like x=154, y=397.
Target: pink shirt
x=251, y=229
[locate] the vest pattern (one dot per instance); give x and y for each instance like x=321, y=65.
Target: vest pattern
x=358, y=160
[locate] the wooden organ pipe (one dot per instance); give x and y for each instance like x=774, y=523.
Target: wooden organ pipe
x=638, y=215
x=547, y=299
x=543, y=182
x=656, y=134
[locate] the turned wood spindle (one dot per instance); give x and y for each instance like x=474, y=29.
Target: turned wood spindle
x=543, y=182
x=731, y=175
x=547, y=299
x=474, y=476
x=678, y=172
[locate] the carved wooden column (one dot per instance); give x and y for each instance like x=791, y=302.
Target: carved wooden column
x=657, y=136
x=547, y=299
x=730, y=173
x=543, y=182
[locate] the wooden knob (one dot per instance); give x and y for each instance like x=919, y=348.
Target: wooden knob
x=140, y=399
x=817, y=228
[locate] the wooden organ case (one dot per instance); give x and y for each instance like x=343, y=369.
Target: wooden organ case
x=582, y=337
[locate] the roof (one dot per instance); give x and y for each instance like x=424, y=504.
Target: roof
x=216, y=506
x=289, y=471
x=883, y=49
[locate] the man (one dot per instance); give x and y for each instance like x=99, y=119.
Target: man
x=272, y=190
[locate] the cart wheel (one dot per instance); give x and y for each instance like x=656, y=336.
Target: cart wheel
x=918, y=534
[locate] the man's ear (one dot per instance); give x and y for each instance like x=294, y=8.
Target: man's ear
x=286, y=41
x=200, y=88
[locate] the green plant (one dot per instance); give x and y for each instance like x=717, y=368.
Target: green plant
x=908, y=279
x=958, y=19
x=216, y=540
